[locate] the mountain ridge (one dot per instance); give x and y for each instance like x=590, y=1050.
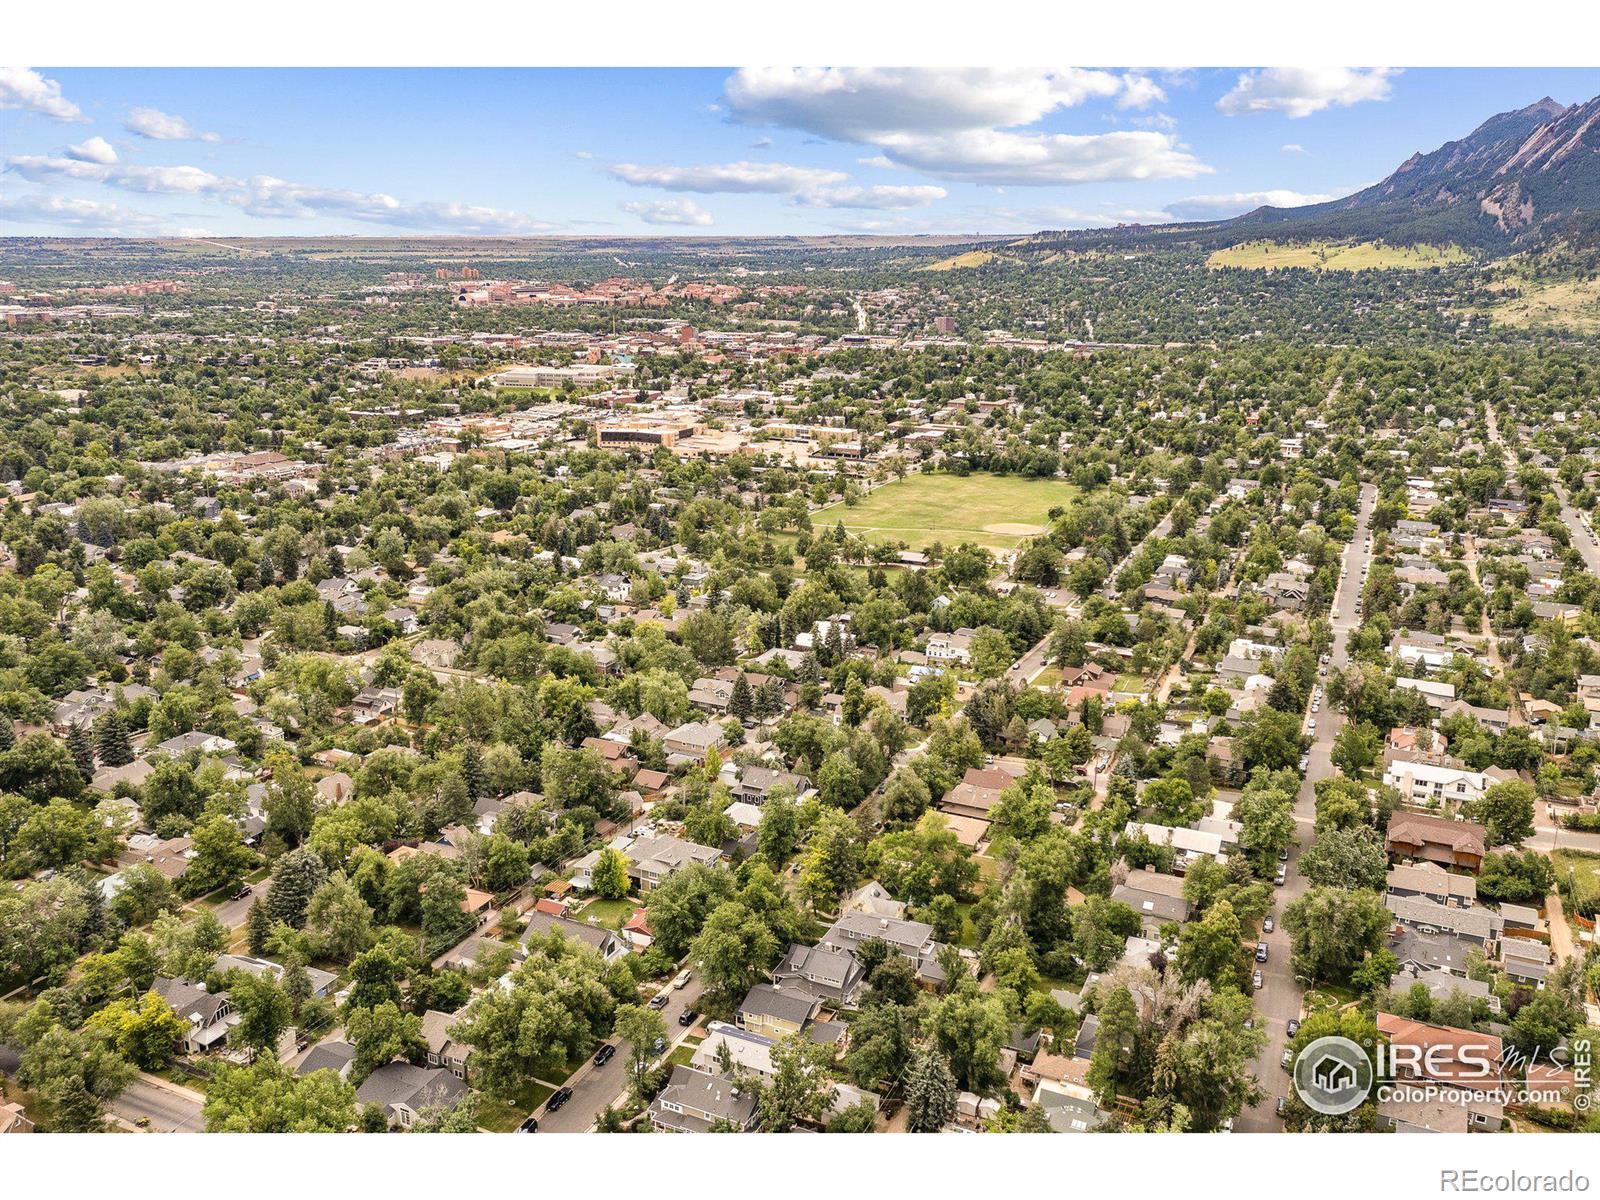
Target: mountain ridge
x=1518, y=180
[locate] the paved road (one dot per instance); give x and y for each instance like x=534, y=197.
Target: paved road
x=1582, y=539
x=1279, y=1000
x=168, y=1107
x=232, y=913
x=593, y=1088
x=1549, y=837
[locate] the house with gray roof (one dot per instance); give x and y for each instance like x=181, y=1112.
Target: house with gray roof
x=607, y=943
x=443, y=1050
x=328, y=1056
x=1157, y=898
x=1442, y=985
x=776, y=1010
x=207, y=1015
x=404, y=1092
x=695, y=1101
x=1431, y=951
x=652, y=859
x=1430, y=881
x=834, y=975
x=912, y=940
x=321, y=981
x=1481, y=926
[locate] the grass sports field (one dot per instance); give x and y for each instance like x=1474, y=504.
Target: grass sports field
x=1333, y=256
x=994, y=511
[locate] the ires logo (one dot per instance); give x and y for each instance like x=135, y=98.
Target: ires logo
x=1334, y=1075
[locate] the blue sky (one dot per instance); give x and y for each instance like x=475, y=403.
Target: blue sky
x=696, y=151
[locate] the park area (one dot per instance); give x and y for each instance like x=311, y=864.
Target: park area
x=993, y=511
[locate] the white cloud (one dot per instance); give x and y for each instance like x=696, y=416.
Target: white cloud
x=963, y=124
x=582, y=154
x=158, y=126
x=1231, y=204
x=93, y=150
x=876, y=160
x=1140, y=91
x=1294, y=148
x=678, y=211
x=996, y=156
x=860, y=104
x=879, y=197
x=761, y=143
x=25, y=89
x=1300, y=91
x=81, y=216
x=779, y=179
x=267, y=196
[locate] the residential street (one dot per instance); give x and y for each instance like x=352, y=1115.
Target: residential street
x=1278, y=1001
x=593, y=1088
x=232, y=913
x=168, y=1107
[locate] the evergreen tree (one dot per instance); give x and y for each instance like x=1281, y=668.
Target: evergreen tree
x=257, y=927
x=82, y=747
x=112, y=742
x=930, y=1093
x=472, y=773
x=8, y=735
x=295, y=879
x=834, y=643
x=769, y=700
x=742, y=703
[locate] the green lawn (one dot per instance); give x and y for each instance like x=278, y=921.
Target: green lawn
x=610, y=913
x=994, y=511
x=503, y=1116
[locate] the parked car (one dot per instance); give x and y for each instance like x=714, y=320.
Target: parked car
x=687, y=1016
x=562, y=1095
x=1281, y=877
x=659, y=1045
x=1257, y=980
x=604, y=1055
x=243, y=892
x=1288, y=1057
x=531, y=1125
x=1268, y=925
x=1282, y=1104
x=681, y=979
x=1261, y=954
x=659, y=1000
x=1293, y=1027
